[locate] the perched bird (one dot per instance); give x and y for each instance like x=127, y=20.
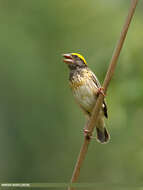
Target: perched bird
x=86, y=88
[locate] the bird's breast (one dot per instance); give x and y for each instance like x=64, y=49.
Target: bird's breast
x=84, y=91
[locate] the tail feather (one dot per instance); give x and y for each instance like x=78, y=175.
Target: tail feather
x=102, y=135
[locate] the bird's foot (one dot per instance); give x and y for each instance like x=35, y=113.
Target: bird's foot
x=101, y=91
x=87, y=134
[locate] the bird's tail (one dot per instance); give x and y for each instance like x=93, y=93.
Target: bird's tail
x=102, y=135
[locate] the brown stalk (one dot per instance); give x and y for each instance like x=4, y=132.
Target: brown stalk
x=108, y=77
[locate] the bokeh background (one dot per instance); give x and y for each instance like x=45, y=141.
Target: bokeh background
x=40, y=124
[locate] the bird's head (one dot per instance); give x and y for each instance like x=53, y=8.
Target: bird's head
x=74, y=60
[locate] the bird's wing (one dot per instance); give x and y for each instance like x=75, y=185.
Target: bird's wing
x=96, y=81
x=105, y=109
x=104, y=106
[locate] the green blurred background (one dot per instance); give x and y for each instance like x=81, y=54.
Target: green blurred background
x=40, y=124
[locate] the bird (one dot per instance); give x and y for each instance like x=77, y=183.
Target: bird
x=86, y=87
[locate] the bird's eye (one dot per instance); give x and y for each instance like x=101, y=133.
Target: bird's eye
x=75, y=56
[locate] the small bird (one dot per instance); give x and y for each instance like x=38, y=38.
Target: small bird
x=86, y=88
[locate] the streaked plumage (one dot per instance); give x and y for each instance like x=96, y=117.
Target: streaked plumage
x=85, y=87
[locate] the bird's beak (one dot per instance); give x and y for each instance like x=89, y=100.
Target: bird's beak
x=68, y=58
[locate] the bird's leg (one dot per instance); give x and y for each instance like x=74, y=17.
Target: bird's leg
x=86, y=131
x=87, y=134
x=101, y=91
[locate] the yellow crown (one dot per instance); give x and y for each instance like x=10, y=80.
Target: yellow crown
x=81, y=57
